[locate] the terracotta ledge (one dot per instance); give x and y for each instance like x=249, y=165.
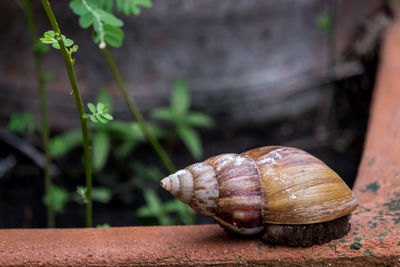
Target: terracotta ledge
x=373, y=240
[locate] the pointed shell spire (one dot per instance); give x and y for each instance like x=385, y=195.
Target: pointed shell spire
x=196, y=186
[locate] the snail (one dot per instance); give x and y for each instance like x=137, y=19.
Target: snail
x=282, y=193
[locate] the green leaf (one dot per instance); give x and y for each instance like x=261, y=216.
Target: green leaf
x=67, y=42
x=107, y=116
x=21, y=123
x=101, y=194
x=91, y=107
x=113, y=35
x=60, y=145
x=104, y=96
x=191, y=140
x=199, y=119
x=100, y=107
x=109, y=18
x=85, y=116
x=86, y=20
x=129, y=7
x=180, y=99
x=94, y=119
x=78, y=7
x=163, y=114
x=106, y=5
x=56, y=45
x=100, y=118
x=101, y=150
x=57, y=198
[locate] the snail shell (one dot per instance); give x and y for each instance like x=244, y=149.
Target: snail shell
x=254, y=191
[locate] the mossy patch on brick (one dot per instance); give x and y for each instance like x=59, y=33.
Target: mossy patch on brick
x=371, y=162
x=373, y=187
x=383, y=234
x=372, y=225
x=368, y=252
x=259, y=246
x=394, y=203
x=356, y=246
x=357, y=239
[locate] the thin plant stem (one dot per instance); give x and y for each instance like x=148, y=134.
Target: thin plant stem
x=48, y=185
x=69, y=64
x=136, y=112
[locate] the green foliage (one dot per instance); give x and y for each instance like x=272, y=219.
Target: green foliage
x=101, y=149
x=99, y=113
x=127, y=7
x=324, y=22
x=106, y=26
x=50, y=37
x=162, y=211
x=132, y=7
x=57, y=198
x=21, y=123
x=104, y=225
x=99, y=194
x=62, y=144
x=183, y=120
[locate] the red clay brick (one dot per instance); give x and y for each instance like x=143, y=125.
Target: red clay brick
x=374, y=238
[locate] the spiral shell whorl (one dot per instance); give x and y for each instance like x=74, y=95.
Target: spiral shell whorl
x=240, y=195
x=196, y=185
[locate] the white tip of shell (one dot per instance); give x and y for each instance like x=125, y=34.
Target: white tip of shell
x=179, y=184
x=166, y=183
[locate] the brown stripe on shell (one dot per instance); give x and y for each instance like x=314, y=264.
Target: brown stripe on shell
x=205, y=188
x=300, y=189
x=240, y=196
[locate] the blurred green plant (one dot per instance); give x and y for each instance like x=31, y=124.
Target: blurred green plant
x=183, y=119
x=99, y=194
x=104, y=225
x=57, y=198
x=324, y=22
x=21, y=123
x=163, y=212
x=107, y=30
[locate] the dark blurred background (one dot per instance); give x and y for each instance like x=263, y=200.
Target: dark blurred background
x=294, y=73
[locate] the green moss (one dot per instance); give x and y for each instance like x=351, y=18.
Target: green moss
x=368, y=252
x=394, y=204
x=334, y=246
x=356, y=246
x=372, y=225
x=371, y=162
x=398, y=244
x=259, y=246
x=383, y=234
x=373, y=187
x=357, y=239
x=343, y=241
